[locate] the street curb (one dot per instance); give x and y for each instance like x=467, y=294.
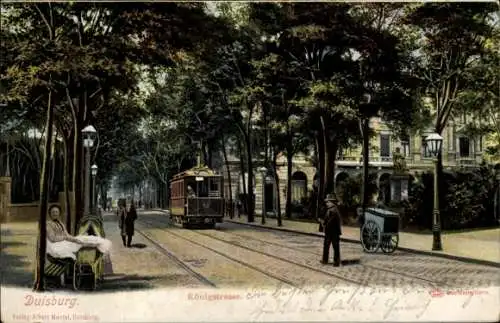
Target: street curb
x=422, y=252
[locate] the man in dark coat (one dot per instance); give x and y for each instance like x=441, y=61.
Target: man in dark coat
x=332, y=224
x=126, y=221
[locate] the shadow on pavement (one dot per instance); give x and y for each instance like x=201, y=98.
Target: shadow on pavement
x=121, y=282
x=13, y=268
x=138, y=245
x=349, y=262
x=229, y=226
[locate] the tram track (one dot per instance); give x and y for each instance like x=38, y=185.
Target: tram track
x=246, y=264
x=340, y=277
x=302, y=250
x=362, y=282
x=323, y=272
x=175, y=259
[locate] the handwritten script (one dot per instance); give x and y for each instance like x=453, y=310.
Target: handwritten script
x=332, y=298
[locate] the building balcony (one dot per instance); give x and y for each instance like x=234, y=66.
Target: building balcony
x=411, y=162
x=375, y=161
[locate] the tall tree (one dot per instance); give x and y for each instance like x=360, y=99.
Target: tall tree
x=453, y=38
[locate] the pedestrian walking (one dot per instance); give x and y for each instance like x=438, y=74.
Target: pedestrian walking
x=129, y=222
x=126, y=221
x=239, y=206
x=332, y=224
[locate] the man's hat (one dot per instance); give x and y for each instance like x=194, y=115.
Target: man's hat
x=331, y=198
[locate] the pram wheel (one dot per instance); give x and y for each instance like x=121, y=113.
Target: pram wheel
x=83, y=277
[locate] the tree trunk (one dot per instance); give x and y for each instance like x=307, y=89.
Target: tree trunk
x=230, y=192
x=160, y=197
x=320, y=141
x=330, y=151
x=250, y=198
x=277, y=183
x=289, y=166
x=210, y=155
x=366, y=160
x=44, y=186
x=67, y=203
x=53, y=162
x=242, y=171
x=78, y=171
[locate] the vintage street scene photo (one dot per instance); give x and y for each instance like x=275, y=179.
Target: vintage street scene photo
x=249, y=161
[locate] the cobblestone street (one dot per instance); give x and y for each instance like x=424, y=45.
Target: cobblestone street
x=237, y=256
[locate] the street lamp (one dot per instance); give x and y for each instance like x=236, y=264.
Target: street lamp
x=434, y=142
x=89, y=134
x=94, y=188
x=263, y=171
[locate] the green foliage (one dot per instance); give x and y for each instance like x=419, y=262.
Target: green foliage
x=466, y=199
x=349, y=190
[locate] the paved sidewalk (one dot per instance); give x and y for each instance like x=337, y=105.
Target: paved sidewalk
x=482, y=246
x=125, y=268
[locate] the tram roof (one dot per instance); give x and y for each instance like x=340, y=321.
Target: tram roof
x=196, y=171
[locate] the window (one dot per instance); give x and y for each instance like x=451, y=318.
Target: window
x=451, y=138
x=405, y=147
x=340, y=153
x=425, y=150
x=385, y=145
x=464, y=147
x=299, y=186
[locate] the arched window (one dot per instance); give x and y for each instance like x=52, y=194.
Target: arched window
x=299, y=186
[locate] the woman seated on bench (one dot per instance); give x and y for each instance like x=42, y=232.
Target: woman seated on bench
x=60, y=244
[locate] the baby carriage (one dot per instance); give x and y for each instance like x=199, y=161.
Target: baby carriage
x=88, y=270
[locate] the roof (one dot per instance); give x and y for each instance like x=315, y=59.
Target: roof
x=201, y=170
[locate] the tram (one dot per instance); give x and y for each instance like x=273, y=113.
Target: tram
x=196, y=197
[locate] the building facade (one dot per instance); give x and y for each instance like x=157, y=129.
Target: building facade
x=458, y=150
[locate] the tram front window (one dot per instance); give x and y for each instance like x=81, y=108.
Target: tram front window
x=198, y=188
x=191, y=193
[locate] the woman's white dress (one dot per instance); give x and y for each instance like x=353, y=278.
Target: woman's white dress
x=62, y=248
x=68, y=249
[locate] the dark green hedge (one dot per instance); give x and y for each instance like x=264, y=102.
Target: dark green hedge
x=466, y=199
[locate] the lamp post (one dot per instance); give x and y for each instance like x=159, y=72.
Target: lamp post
x=434, y=143
x=366, y=154
x=89, y=134
x=263, y=171
x=94, y=189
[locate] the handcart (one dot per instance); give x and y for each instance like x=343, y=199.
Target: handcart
x=380, y=229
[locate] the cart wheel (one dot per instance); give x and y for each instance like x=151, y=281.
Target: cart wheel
x=389, y=243
x=370, y=237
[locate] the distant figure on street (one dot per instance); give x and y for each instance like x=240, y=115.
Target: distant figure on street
x=332, y=224
x=239, y=206
x=129, y=222
x=126, y=221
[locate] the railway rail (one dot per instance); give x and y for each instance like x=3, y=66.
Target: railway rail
x=362, y=282
x=164, y=251
x=308, y=251
x=281, y=279
x=353, y=281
